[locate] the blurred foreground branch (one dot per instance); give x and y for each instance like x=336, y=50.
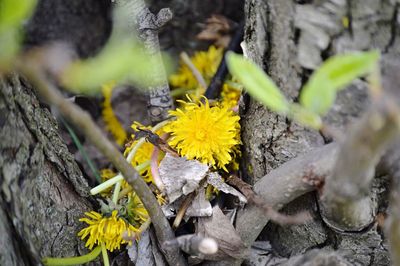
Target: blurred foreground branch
x=284, y=184
x=347, y=203
x=391, y=164
x=82, y=120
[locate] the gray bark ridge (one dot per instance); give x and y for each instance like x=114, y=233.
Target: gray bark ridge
x=43, y=192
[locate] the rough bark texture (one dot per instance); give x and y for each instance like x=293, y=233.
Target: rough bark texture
x=43, y=192
x=84, y=24
x=289, y=39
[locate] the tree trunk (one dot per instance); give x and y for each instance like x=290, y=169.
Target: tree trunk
x=43, y=192
x=289, y=39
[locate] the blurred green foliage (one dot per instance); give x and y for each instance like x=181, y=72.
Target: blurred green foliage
x=12, y=15
x=318, y=94
x=121, y=60
x=257, y=83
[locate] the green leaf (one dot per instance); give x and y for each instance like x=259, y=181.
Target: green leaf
x=319, y=94
x=14, y=12
x=10, y=40
x=257, y=83
x=12, y=15
x=120, y=60
x=304, y=116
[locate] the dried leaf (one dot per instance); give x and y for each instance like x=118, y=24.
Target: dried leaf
x=145, y=252
x=132, y=252
x=200, y=207
x=218, y=227
x=158, y=256
x=217, y=29
x=181, y=176
x=216, y=181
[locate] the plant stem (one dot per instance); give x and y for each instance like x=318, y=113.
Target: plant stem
x=106, y=261
x=82, y=150
x=73, y=260
x=196, y=73
x=116, y=179
x=117, y=189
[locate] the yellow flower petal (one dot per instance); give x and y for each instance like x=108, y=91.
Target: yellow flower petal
x=205, y=133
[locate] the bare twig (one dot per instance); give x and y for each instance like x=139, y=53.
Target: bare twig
x=156, y=141
x=82, y=120
x=284, y=184
x=214, y=88
x=147, y=25
x=391, y=164
x=196, y=73
x=256, y=200
x=348, y=201
x=194, y=244
x=182, y=210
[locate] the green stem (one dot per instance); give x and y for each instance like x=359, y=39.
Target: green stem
x=82, y=150
x=73, y=260
x=116, y=179
x=106, y=261
x=117, y=189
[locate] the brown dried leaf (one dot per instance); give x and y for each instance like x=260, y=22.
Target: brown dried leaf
x=216, y=181
x=217, y=29
x=218, y=227
x=200, y=207
x=181, y=176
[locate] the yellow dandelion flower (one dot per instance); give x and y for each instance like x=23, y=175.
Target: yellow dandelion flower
x=161, y=199
x=107, y=230
x=208, y=134
x=109, y=118
x=143, y=154
x=229, y=95
x=137, y=213
x=206, y=63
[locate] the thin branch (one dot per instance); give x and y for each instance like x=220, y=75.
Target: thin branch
x=347, y=203
x=196, y=73
x=147, y=24
x=284, y=184
x=391, y=164
x=82, y=120
x=182, y=210
x=214, y=88
x=253, y=198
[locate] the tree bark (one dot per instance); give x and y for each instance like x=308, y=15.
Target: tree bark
x=289, y=39
x=43, y=192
